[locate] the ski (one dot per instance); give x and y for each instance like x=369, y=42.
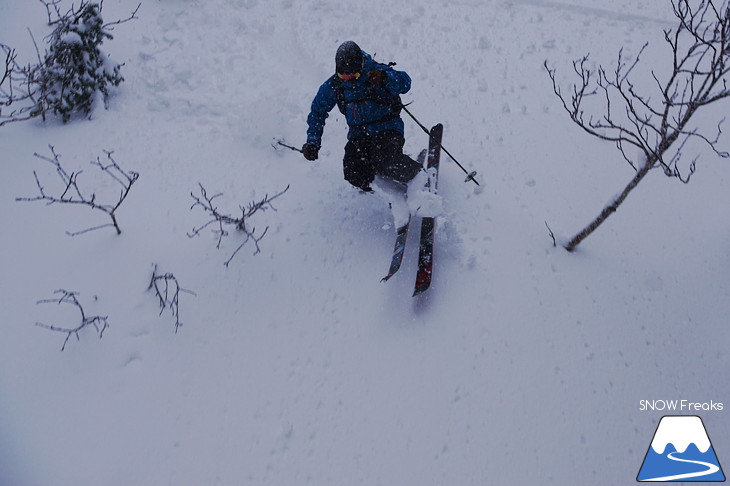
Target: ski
x=401, y=237
x=428, y=224
x=400, y=247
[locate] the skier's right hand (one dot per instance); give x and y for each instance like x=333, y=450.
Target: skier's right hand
x=310, y=152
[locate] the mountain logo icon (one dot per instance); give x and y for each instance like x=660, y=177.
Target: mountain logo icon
x=680, y=451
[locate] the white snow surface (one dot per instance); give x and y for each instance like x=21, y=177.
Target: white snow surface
x=523, y=364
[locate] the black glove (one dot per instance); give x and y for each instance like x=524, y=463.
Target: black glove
x=310, y=152
x=377, y=77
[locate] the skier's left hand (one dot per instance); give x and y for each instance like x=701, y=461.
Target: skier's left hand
x=310, y=152
x=377, y=77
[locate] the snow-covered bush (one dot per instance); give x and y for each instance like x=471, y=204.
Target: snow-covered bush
x=75, y=71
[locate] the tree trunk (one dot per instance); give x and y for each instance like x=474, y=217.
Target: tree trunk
x=611, y=208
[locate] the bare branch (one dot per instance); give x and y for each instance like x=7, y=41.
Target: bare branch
x=99, y=323
x=72, y=193
x=552, y=235
x=9, y=62
x=239, y=223
x=167, y=289
x=656, y=125
x=133, y=16
x=52, y=5
x=16, y=87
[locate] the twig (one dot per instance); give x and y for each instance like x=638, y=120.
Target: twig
x=74, y=13
x=552, y=235
x=240, y=223
x=72, y=193
x=167, y=289
x=133, y=16
x=99, y=323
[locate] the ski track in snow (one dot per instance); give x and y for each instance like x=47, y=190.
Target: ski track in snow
x=610, y=14
x=297, y=366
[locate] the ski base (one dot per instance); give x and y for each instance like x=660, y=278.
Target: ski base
x=400, y=246
x=428, y=224
x=425, y=257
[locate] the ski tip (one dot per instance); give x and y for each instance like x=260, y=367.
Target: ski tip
x=418, y=292
x=421, y=288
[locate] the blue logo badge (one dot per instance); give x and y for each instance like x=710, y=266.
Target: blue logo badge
x=681, y=451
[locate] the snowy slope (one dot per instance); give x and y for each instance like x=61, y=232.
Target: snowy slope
x=523, y=364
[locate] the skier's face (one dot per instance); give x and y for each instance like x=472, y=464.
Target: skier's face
x=348, y=77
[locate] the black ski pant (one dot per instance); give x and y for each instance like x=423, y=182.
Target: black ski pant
x=380, y=154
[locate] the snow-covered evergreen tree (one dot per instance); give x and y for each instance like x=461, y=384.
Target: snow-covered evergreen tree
x=75, y=70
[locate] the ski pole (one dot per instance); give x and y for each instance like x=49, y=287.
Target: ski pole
x=470, y=176
x=279, y=142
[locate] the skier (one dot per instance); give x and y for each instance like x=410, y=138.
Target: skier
x=368, y=94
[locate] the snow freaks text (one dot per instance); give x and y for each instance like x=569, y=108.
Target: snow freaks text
x=680, y=406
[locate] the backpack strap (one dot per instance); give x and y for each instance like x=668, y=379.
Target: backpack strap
x=394, y=103
x=339, y=93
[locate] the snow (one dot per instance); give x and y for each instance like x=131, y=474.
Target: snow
x=71, y=38
x=523, y=364
x=397, y=197
x=423, y=202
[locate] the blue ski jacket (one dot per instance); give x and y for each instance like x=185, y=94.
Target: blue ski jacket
x=368, y=109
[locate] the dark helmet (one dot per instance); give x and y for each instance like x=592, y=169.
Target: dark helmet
x=348, y=59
